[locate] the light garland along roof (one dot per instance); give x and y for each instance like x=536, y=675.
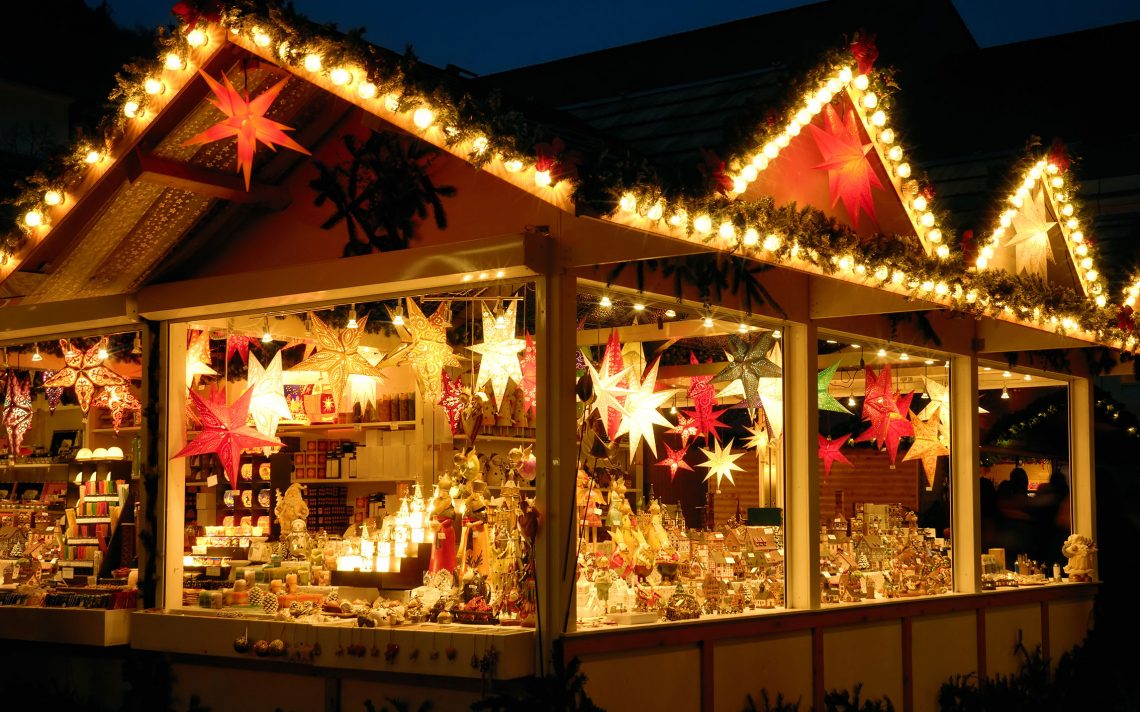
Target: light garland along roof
x=622, y=188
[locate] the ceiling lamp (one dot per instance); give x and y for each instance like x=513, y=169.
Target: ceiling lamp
x=36, y=354
x=351, y=317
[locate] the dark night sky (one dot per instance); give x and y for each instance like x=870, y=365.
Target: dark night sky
x=488, y=37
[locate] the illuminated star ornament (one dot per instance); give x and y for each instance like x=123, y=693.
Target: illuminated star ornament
x=225, y=433
x=613, y=364
x=528, y=362
x=119, y=401
x=53, y=395
x=850, y=174
x=1030, y=241
x=642, y=406
x=926, y=448
x=83, y=373
x=17, y=411
x=748, y=363
x=829, y=453
x=499, y=351
x=451, y=400
x=769, y=395
x=198, y=358
x=891, y=427
x=675, y=460
x=425, y=348
x=246, y=121
x=939, y=408
x=239, y=344
x=721, y=463
x=705, y=425
x=759, y=439
x=267, y=406
x=824, y=398
x=338, y=355
x=687, y=428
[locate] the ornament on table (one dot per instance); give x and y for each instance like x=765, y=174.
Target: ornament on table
x=675, y=460
x=246, y=121
x=499, y=352
x=643, y=410
x=52, y=395
x=452, y=401
x=1031, y=242
x=225, y=433
x=608, y=394
x=927, y=447
x=425, y=347
x=824, y=399
x=118, y=400
x=197, y=358
x=721, y=463
x=239, y=344
x=267, y=405
x=528, y=364
x=338, y=355
x=829, y=453
x=83, y=373
x=17, y=411
x=850, y=173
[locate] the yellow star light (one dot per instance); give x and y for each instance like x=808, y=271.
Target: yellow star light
x=83, y=372
x=500, y=352
x=118, y=400
x=425, y=348
x=721, y=463
x=642, y=410
x=337, y=355
x=939, y=406
x=926, y=447
x=198, y=358
x=268, y=405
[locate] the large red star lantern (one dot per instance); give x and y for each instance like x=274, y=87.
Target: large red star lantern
x=118, y=400
x=17, y=411
x=891, y=427
x=246, y=121
x=613, y=364
x=452, y=401
x=83, y=372
x=829, y=453
x=226, y=433
x=675, y=460
x=849, y=172
x=239, y=343
x=528, y=362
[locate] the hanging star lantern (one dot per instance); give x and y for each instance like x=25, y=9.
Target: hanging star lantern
x=607, y=392
x=198, y=358
x=452, y=401
x=891, y=427
x=824, y=398
x=939, y=406
x=499, y=351
x=707, y=424
x=879, y=400
x=769, y=395
x=83, y=372
x=239, y=344
x=53, y=395
x=721, y=463
x=759, y=438
x=686, y=427
x=246, y=121
x=926, y=447
x=675, y=461
x=338, y=355
x=119, y=401
x=225, y=433
x=528, y=363
x=425, y=348
x=748, y=363
x=850, y=174
x=829, y=453
x=267, y=405
x=17, y=411
x=612, y=364
x=642, y=406
x=1032, y=250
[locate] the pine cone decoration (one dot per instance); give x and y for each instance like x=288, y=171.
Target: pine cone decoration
x=269, y=604
x=255, y=596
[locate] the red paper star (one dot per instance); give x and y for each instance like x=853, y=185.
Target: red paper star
x=707, y=423
x=675, y=460
x=528, y=361
x=17, y=411
x=613, y=363
x=118, y=400
x=83, y=372
x=452, y=401
x=849, y=172
x=686, y=427
x=246, y=121
x=53, y=395
x=829, y=453
x=225, y=432
x=239, y=343
x=891, y=427
x=879, y=400
x=701, y=392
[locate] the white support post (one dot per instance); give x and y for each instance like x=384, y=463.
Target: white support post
x=1082, y=457
x=965, y=488
x=171, y=473
x=557, y=454
x=801, y=507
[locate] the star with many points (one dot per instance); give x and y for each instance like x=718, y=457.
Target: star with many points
x=119, y=401
x=748, y=363
x=850, y=174
x=17, y=411
x=338, y=354
x=499, y=351
x=607, y=392
x=642, y=407
x=721, y=463
x=1032, y=250
x=829, y=453
x=425, y=347
x=926, y=446
x=267, y=406
x=198, y=358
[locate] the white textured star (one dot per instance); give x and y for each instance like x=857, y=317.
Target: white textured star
x=500, y=352
x=721, y=463
x=642, y=410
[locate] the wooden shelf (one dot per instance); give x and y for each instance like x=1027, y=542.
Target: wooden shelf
x=502, y=439
x=101, y=498
x=111, y=431
x=92, y=520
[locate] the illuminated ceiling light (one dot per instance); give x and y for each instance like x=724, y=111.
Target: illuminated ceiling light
x=266, y=337
x=1028, y=377
x=854, y=346
x=904, y=356
x=708, y=320
x=173, y=61
x=197, y=38
x=986, y=368
x=605, y=301
x=639, y=307
x=423, y=117
x=500, y=274
x=1005, y=374
x=103, y=350
x=776, y=333
x=398, y=316
x=851, y=401
x=467, y=278
x=832, y=341
x=136, y=349
x=153, y=86
x=312, y=63
x=36, y=354
x=743, y=328
x=670, y=313
x=882, y=353
x=351, y=318
x=1004, y=393
x=929, y=362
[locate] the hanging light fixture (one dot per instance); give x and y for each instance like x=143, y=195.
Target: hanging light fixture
x=605, y=302
x=103, y=350
x=851, y=401
x=266, y=337
x=1004, y=393
x=398, y=316
x=137, y=348
x=36, y=354
x=708, y=320
x=926, y=389
x=351, y=317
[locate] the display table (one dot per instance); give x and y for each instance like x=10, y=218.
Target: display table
x=73, y=626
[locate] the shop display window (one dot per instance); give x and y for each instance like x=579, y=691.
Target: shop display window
x=884, y=471
x=1026, y=508
x=362, y=464
x=681, y=469
x=69, y=454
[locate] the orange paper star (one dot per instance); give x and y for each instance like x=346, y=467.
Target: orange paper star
x=338, y=355
x=246, y=121
x=84, y=371
x=926, y=447
x=118, y=400
x=850, y=175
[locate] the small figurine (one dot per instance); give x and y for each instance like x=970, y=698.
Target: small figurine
x=443, y=526
x=291, y=507
x=297, y=541
x=1078, y=549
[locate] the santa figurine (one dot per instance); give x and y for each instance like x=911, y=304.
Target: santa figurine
x=443, y=528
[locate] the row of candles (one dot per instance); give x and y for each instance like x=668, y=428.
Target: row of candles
x=382, y=553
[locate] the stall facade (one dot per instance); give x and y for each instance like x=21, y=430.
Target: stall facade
x=440, y=388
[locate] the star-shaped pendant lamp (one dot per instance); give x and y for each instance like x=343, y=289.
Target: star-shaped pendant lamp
x=891, y=427
x=748, y=363
x=939, y=408
x=425, y=348
x=675, y=461
x=769, y=395
x=267, y=406
x=705, y=425
x=825, y=400
x=721, y=463
x=687, y=428
x=499, y=362
x=758, y=438
x=338, y=355
x=52, y=395
x=528, y=363
x=612, y=364
x=927, y=447
x=642, y=406
x=879, y=400
x=452, y=401
x=198, y=358
x=119, y=401
x=607, y=392
x=83, y=373
x=1032, y=251
x=850, y=174
x=17, y=411
x=829, y=453
x=225, y=433
x=246, y=121
x=239, y=344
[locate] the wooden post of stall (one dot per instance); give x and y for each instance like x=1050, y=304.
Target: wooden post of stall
x=148, y=523
x=801, y=508
x=965, y=490
x=171, y=473
x=556, y=451
x=1082, y=456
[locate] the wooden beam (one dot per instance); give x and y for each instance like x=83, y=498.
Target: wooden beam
x=830, y=298
x=148, y=168
x=71, y=318
x=995, y=336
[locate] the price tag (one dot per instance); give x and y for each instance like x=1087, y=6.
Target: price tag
x=214, y=571
x=68, y=573
x=212, y=481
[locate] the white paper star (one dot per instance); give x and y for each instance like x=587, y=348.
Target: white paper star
x=641, y=406
x=198, y=358
x=500, y=352
x=939, y=404
x=606, y=389
x=267, y=406
x=721, y=463
x=1030, y=241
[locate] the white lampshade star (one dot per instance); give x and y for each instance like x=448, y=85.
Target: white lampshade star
x=642, y=406
x=607, y=392
x=267, y=406
x=721, y=463
x=499, y=351
x=1030, y=241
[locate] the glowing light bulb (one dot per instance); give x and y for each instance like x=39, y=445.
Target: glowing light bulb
x=919, y=203
x=479, y=145
x=727, y=231
x=882, y=353
x=702, y=224
x=173, y=61
x=1057, y=181
x=742, y=328
x=392, y=102
x=844, y=74
x=366, y=90
x=93, y=156
x=153, y=86
x=605, y=301
x=943, y=252
x=1005, y=374
x=628, y=202
x=671, y=313
x=751, y=237
x=903, y=169
x=36, y=354
x=33, y=218
x=749, y=173
x=312, y=63
x=351, y=318
x=513, y=166
x=776, y=333
x=1004, y=393
x=260, y=38
x=895, y=153
x=981, y=262
x=870, y=101
x=131, y=109
x=639, y=307
x=340, y=76
x=1101, y=300
x=927, y=219
x=887, y=136
x=102, y=354
x=542, y=178
x=1067, y=210
x=707, y=322
x=197, y=38
x=862, y=82
x=53, y=197
x=655, y=211
x=1091, y=275
x=423, y=117
x=934, y=235
x=772, y=242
